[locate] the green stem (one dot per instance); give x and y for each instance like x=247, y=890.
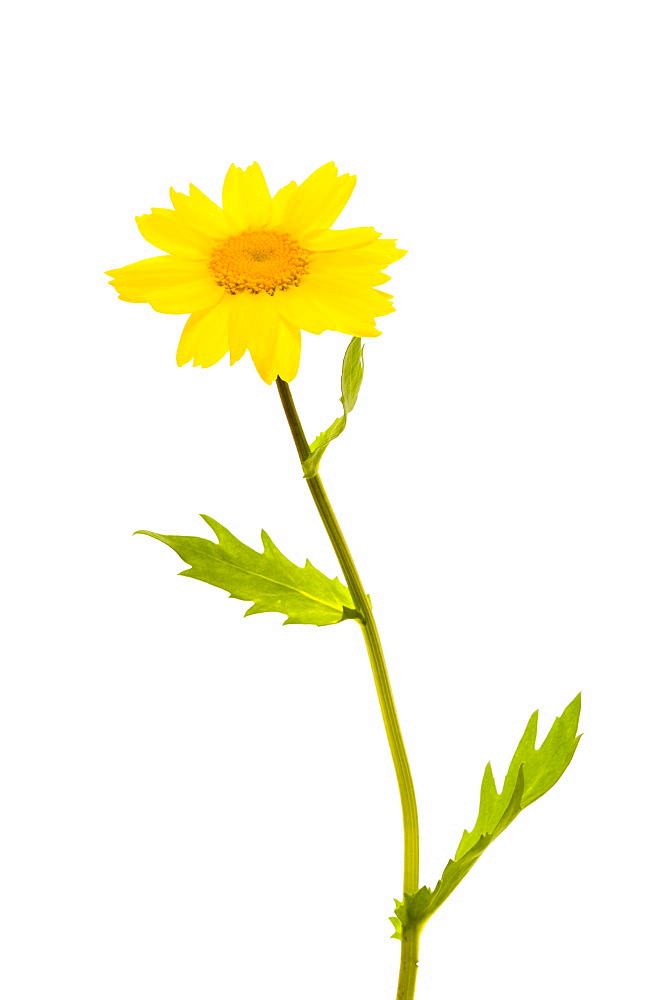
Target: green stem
x=408, y=966
x=381, y=679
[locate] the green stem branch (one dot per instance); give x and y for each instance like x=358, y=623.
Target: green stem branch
x=381, y=679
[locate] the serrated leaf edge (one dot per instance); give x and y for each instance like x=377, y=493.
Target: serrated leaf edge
x=345, y=612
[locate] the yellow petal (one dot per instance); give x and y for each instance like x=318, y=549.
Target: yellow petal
x=254, y=325
x=287, y=351
x=375, y=256
x=202, y=214
x=184, y=298
x=168, y=284
x=353, y=298
x=205, y=337
x=262, y=334
x=168, y=230
x=295, y=307
x=315, y=308
x=363, y=273
x=318, y=201
x=240, y=320
x=280, y=204
x=246, y=198
x=170, y=268
x=383, y=303
x=340, y=239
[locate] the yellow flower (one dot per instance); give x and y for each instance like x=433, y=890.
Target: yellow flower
x=258, y=270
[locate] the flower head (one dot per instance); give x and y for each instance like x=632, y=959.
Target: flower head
x=258, y=270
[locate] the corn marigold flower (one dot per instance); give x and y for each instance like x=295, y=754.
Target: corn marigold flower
x=256, y=271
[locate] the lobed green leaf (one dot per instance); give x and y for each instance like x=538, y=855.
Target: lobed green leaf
x=302, y=593
x=531, y=773
x=352, y=376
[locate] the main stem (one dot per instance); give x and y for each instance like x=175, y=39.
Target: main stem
x=407, y=978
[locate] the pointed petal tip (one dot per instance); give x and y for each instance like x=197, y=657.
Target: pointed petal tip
x=183, y=358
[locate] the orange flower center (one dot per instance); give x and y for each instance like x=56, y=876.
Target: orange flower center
x=258, y=261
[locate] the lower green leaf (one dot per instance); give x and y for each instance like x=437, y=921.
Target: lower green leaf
x=531, y=773
x=302, y=593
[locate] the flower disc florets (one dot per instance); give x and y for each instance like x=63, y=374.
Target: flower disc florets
x=258, y=261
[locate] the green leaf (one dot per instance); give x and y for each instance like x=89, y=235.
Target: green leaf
x=352, y=376
x=531, y=773
x=267, y=578
x=411, y=912
x=542, y=768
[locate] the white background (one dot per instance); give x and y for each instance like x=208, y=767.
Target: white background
x=200, y=806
